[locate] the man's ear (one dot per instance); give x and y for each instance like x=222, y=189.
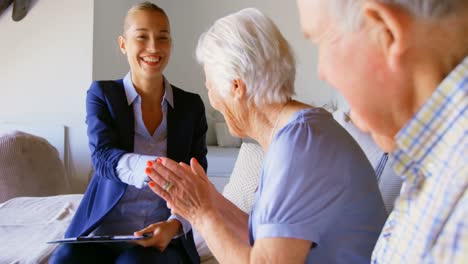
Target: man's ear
x=122, y=45
x=389, y=26
x=238, y=89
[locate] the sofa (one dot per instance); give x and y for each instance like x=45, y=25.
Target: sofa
x=29, y=221
x=34, y=205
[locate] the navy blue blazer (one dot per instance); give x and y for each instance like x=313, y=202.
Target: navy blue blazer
x=111, y=124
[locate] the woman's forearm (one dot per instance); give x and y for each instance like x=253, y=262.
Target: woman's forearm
x=224, y=242
x=228, y=247
x=237, y=219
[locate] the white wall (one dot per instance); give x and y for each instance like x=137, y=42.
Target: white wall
x=45, y=69
x=189, y=19
x=48, y=62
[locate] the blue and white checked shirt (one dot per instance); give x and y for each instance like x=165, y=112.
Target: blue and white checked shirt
x=429, y=223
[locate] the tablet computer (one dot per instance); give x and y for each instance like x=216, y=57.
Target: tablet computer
x=100, y=239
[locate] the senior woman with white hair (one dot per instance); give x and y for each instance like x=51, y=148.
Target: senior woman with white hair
x=317, y=200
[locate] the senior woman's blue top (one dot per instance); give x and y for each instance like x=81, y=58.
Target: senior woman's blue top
x=317, y=185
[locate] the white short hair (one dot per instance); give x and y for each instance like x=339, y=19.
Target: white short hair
x=247, y=45
x=350, y=9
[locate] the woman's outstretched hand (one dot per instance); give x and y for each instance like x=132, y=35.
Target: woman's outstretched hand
x=186, y=189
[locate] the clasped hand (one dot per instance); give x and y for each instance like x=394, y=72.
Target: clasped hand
x=186, y=189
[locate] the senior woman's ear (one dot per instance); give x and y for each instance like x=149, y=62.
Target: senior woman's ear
x=238, y=89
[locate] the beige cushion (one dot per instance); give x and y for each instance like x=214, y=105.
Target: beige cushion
x=30, y=166
x=243, y=182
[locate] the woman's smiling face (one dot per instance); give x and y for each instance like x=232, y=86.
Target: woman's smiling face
x=147, y=43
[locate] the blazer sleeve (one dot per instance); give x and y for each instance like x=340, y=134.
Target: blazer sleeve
x=198, y=149
x=102, y=134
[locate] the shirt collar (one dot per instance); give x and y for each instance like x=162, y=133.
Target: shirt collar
x=420, y=135
x=168, y=93
x=131, y=93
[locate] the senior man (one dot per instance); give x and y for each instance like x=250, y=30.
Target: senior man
x=403, y=67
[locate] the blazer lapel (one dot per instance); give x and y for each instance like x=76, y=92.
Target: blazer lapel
x=177, y=125
x=173, y=126
x=126, y=121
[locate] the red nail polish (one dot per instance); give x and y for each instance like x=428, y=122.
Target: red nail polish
x=147, y=170
x=158, y=160
x=149, y=163
x=151, y=184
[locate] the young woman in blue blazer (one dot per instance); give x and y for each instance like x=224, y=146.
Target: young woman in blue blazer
x=133, y=121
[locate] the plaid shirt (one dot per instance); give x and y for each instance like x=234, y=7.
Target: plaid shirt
x=429, y=223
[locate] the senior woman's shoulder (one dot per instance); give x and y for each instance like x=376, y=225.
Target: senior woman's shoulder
x=317, y=127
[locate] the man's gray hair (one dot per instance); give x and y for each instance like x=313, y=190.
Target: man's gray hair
x=350, y=9
x=247, y=45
